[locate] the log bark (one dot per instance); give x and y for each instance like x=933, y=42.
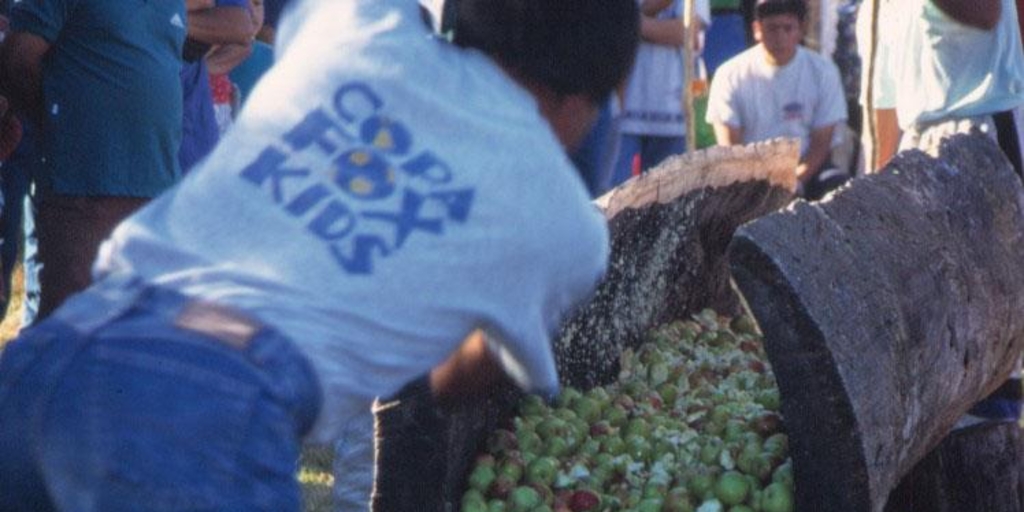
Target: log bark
x=888, y=310
x=976, y=469
x=670, y=229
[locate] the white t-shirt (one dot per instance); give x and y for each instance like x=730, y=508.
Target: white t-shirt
x=653, y=99
x=769, y=101
x=930, y=67
x=382, y=194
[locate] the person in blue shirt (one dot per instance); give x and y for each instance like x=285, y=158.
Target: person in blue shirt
x=98, y=80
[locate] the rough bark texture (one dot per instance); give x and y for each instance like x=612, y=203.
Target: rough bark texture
x=670, y=230
x=424, y=452
x=977, y=469
x=888, y=310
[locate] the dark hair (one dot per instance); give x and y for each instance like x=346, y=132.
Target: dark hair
x=767, y=8
x=570, y=46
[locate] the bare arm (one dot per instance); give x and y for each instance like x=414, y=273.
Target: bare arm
x=221, y=25
x=887, y=136
x=668, y=32
x=818, y=151
x=726, y=135
x=21, y=68
x=223, y=58
x=983, y=14
x=469, y=373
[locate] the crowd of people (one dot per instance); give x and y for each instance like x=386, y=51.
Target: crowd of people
x=251, y=229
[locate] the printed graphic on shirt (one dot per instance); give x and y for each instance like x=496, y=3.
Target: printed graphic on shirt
x=376, y=190
x=793, y=111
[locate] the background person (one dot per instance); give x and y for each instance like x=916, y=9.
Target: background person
x=652, y=124
x=105, y=132
x=778, y=88
x=944, y=67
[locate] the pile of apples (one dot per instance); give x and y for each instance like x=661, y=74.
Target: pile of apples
x=691, y=425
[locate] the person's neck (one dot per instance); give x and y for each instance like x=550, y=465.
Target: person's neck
x=779, y=60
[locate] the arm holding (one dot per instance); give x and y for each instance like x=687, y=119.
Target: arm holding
x=726, y=135
x=982, y=14
x=221, y=25
x=818, y=152
x=668, y=32
x=223, y=58
x=469, y=373
x=887, y=134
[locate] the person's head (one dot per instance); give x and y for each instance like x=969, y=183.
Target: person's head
x=571, y=54
x=779, y=27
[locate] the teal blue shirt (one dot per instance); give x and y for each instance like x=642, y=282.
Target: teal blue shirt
x=111, y=94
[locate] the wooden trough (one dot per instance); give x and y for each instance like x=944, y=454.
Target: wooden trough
x=887, y=311
x=670, y=229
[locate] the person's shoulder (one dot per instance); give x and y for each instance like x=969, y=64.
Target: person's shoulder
x=739, y=64
x=820, y=63
x=814, y=57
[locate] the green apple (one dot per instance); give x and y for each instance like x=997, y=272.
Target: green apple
x=523, y=499
x=474, y=500
x=777, y=498
x=783, y=474
x=701, y=485
x=533, y=405
x=567, y=396
x=649, y=505
x=482, y=477
x=732, y=488
x=542, y=470
x=677, y=500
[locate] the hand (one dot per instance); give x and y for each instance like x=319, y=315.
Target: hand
x=803, y=173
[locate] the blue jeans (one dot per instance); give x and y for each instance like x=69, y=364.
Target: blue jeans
x=109, y=406
x=652, y=151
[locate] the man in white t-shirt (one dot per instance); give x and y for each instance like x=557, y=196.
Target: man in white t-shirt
x=778, y=88
x=370, y=209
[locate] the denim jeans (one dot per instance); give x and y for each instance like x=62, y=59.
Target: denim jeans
x=115, y=404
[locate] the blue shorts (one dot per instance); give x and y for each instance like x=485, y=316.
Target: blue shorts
x=132, y=398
